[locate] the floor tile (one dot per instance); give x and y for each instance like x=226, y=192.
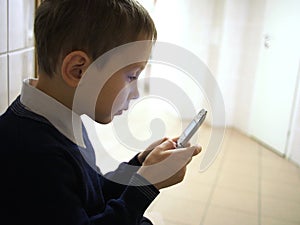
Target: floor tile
x=189, y=192
x=157, y=219
x=243, y=201
x=178, y=209
x=194, y=176
x=272, y=161
x=279, y=190
x=218, y=215
x=271, y=221
x=279, y=209
x=241, y=167
x=279, y=175
x=238, y=181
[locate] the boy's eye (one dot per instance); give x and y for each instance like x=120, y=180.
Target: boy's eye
x=132, y=77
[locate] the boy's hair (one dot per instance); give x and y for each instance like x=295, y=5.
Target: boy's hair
x=92, y=26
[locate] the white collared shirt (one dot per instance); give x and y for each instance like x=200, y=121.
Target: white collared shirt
x=62, y=118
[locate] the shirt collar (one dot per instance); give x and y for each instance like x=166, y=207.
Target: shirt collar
x=61, y=117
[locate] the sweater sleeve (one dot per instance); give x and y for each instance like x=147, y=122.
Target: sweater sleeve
x=53, y=193
x=115, y=182
x=130, y=206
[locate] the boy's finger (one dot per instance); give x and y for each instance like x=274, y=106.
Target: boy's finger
x=156, y=143
x=168, y=144
x=184, y=152
x=175, y=139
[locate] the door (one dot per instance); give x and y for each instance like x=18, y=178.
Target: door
x=277, y=74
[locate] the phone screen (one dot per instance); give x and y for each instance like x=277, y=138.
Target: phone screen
x=191, y=129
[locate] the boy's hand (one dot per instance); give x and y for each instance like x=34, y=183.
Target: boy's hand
x=165, y=166
x=142, y=156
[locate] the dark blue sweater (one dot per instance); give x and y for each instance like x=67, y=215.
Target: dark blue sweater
x=45, y=179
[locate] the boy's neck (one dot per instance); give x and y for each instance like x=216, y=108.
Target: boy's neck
x=55, y=88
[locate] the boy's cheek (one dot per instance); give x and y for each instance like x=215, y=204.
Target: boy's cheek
x=102, y=117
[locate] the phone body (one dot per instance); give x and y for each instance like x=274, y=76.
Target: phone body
x=191, y=129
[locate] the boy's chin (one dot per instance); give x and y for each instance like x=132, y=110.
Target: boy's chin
x=107, y=119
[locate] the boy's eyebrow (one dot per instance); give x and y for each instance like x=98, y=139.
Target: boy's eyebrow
x=137, y=65
x=143, y=67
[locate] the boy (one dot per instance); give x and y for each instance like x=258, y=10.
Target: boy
x=46, y=178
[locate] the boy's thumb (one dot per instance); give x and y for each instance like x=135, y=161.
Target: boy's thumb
x=197, y=150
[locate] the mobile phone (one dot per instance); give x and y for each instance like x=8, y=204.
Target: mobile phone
x=191, y=129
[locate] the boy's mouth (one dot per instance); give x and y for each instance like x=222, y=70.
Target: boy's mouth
x=120, y=112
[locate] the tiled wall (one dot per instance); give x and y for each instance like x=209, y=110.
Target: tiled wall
x=16, y=47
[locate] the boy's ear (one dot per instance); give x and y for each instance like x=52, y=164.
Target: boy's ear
x=74, y=66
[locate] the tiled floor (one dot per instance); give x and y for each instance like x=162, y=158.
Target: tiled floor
x=247, y=184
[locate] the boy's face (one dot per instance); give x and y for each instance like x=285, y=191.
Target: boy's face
x=117, y=92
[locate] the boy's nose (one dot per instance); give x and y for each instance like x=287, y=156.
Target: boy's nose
x=134, y=91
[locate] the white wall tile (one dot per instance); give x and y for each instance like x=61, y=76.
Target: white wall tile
x=21, y=17
x=3, y=83
x=21, y=66
x=3, y=26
